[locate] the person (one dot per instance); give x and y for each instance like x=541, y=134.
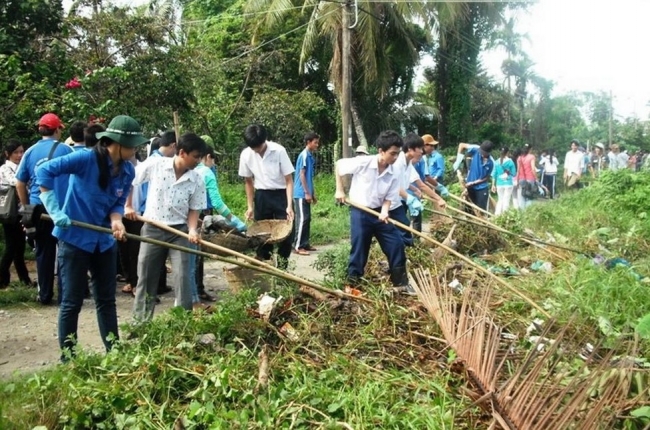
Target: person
x=14, y=251
x=374, y=185
x=597, y=160
x=100, y=180
x=361, y=150
x=526, y=178
x=549, y=166
x=304, y=194
x=503, y=180
x=612, y=157
x=163, y=146
x=623, y=158
x=49, y=147
x=175, y=197
x=434, y=161
x=573, y=164
x=90, y=134
x=77, y=135
x=480, y=171
x=412, y=185
x=127, y=251
x=268, y=176
x=214, y=203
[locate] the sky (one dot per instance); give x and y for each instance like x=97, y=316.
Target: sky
x=582, y=45
x=586, y=45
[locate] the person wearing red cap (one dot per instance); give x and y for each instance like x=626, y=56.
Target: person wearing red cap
x=49, y=127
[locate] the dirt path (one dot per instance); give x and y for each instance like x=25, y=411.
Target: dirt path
x=28, y=333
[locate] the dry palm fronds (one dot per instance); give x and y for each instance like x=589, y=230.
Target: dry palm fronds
x=543, y=392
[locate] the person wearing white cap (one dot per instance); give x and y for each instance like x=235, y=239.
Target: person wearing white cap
x=361, y=150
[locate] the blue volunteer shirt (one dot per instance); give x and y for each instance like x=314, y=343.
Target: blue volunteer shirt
x=479, y=169
x=305, y=161
x=33, y=158
x=86, y=201
x=436, y=166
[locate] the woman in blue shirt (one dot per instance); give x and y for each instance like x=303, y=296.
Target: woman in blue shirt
x=502, y=181
x=100, y=181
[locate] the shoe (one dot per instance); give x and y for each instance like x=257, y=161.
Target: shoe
x=310, y=248
x=206, y=297
x=409, y=291
x=165, y=290
x=120, y=278
x=44, y=303
x=301, y=251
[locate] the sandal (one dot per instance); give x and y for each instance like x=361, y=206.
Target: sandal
x=310, y=248
x=128, y=289
x=301, y=251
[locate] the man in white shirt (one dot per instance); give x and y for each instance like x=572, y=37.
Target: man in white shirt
x=175, y=196
x=268, y=176
x=375, y=184
x=573, y=166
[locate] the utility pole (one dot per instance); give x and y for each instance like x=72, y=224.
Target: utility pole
x=611, y=116
x=346, y=84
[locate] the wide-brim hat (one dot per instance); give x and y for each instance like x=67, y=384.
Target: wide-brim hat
x=600, y=145
x=124, y=130
x=361, y=149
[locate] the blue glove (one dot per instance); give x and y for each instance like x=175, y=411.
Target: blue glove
x=237, y=224
x=414, y=205
x=442, y=190
x=59, y=218
x=459, y=161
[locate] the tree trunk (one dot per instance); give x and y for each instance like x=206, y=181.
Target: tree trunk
x=358, y=126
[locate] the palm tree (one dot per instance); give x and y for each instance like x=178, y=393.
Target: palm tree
x=380, y=28
x=523, y=73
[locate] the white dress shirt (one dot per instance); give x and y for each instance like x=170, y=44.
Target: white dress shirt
x=368, y=187
x=574, y=162
x=169, y=200
x=268, y=171
x=406, y=174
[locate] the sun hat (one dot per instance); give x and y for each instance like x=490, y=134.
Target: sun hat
x=124, y=130
x=429, y=140
x=210, y=142
x=361, y=149
x=600, y=145
x=51, y=121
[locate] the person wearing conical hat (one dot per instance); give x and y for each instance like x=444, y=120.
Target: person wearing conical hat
x=100, y=180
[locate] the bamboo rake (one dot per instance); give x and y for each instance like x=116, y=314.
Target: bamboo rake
x=456, y=253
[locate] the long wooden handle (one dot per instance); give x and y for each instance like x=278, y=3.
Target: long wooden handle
x=470, y=204
x=456, y=253
x=256, y=263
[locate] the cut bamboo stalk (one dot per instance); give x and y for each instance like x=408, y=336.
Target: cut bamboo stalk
x=470, y=204
x=457, y=254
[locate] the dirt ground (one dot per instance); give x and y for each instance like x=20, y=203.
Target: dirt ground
x=28, y=333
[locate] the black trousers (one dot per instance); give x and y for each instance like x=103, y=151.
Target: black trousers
x=129, y=251
x=479, y=197
x=302, y=224
x=272, y=204
x=45, y=261
x=549, y=182
x=14, y=253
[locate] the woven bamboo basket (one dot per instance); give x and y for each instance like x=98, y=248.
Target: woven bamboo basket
x=276, y=229
x=239, y=278
x=229, y=240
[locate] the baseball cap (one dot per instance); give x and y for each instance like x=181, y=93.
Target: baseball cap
x=50, y=120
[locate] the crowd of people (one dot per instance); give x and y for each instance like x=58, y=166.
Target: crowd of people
x=98, y=176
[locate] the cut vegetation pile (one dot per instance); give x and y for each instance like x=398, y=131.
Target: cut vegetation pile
x=467, y=353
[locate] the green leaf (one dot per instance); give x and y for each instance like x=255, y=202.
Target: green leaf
x=643, y=327
x=642, y=412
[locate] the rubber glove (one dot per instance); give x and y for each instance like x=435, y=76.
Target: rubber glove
x=59, y=218
x=414, y=205
x=237, y=224
x=442, y=190
x=459, y=161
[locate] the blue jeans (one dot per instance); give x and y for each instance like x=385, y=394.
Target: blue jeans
x=363, y=227
x=192, y=269
x=74, y=264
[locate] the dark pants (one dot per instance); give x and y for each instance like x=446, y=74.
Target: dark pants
x=400, y=215
x=416, y=222
x=480, y=197
x=272, y=204
x=46, y=261
x=549, y=182
x=129, y=250
x=363, y=227
x=14, y=253
x=74, y=264
x=302, y=225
